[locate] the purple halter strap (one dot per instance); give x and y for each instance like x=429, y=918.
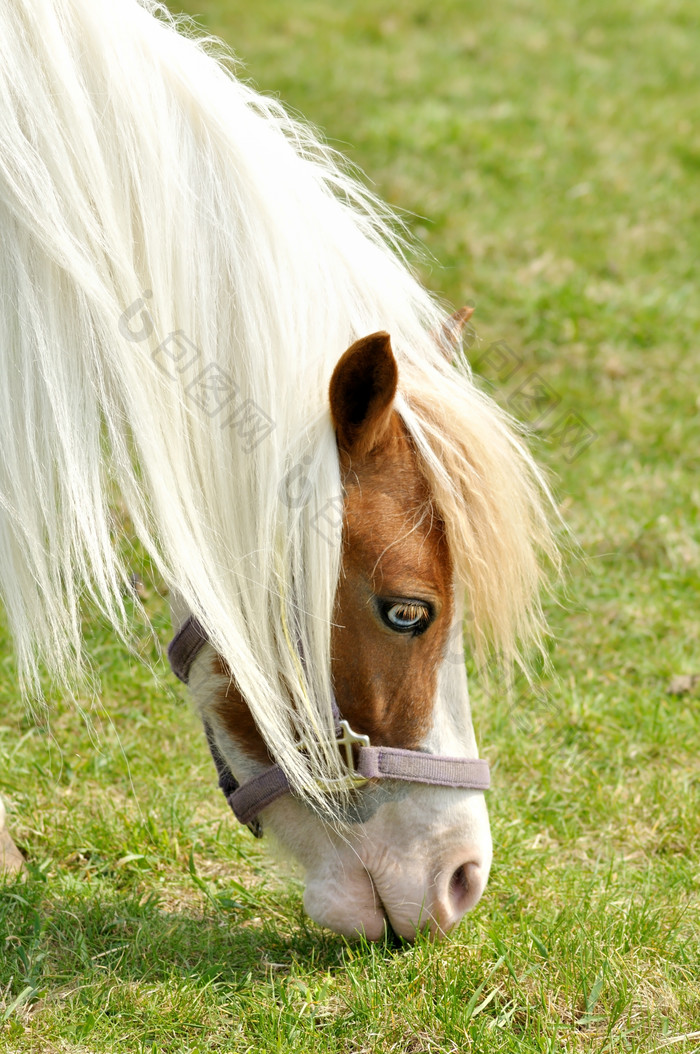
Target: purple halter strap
x=248, y=800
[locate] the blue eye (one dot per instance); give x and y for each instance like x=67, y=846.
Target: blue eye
x=406, y=616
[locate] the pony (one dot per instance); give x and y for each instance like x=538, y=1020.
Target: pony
x=206, y=317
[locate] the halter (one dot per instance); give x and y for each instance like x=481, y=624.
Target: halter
x=247, y=800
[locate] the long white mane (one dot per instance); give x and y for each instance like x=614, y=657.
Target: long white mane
x=181, y=267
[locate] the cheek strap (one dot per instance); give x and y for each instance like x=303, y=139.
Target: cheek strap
x=369, y=763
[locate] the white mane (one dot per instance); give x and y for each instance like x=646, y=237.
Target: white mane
x=164, y=227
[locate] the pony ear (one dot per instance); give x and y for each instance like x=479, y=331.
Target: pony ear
x=361, y=393
x=450, y=335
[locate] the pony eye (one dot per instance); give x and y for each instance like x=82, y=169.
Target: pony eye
x=409, y=616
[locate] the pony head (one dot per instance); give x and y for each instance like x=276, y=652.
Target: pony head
x=399, y=855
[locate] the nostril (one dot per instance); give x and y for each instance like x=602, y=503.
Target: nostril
x=459, y=886
x=465, y=888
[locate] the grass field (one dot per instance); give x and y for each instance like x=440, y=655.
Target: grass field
x=548, y=154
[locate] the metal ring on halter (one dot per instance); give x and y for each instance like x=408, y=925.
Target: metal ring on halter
x=345, y=738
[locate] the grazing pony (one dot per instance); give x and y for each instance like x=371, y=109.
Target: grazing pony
x=206, y=318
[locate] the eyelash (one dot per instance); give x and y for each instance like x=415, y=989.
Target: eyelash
x=415, y=613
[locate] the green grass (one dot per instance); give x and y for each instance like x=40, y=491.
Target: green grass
x=548, y=155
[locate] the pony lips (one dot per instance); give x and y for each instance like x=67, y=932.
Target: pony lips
x=195, y=308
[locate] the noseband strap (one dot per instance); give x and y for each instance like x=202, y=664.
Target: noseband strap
x=374, y=763
x=370, y=763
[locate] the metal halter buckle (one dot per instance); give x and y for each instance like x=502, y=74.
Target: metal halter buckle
x=346, y=738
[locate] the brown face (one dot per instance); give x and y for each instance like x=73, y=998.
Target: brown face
x=394, y=602
x=393, y=609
